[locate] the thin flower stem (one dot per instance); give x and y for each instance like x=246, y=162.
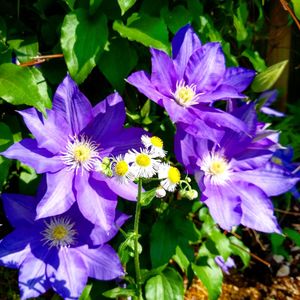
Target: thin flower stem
x=136, y=239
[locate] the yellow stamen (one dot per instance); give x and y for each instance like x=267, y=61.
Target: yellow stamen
x=121, y=168
x=218, y=167
x=59, y=232
x=82, y=153
x=143, y=160
x=174, y=175
x=185, y=94
x=156, y=141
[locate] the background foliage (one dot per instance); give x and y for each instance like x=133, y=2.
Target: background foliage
x=100, y=42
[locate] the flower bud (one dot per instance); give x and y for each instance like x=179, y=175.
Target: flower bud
x=160, y=192
x=191, y=195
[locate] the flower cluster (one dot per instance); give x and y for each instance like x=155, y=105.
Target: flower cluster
x=229, y=152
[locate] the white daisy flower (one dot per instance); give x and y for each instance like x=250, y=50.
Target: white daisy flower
x=143, y=163
x=171, y=176
x=122, y=170
x=154, y=144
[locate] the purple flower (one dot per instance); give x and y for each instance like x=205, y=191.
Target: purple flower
x=236, y=176
x=188, y=83
x=225, y=266
x=268, y=97
x=56, y=252
x=68, y=145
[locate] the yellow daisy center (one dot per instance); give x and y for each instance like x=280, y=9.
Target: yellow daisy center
x=218, y=167
x=174, y=175
x=82, y=153
x=143, y=160
x=121, y=168
x=156, y=141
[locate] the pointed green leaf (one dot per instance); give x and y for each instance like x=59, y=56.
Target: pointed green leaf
x=166, y=286
x=94, y=4
x=125, y=5
x=211, y=276
x=116, y=292
x=296, y=6
x=19, y=85
x=238, y=248
x=149, y=31
x=86, y=292
x=265, y=80
x=147, y=197
x=83, y=38
x=181, y=260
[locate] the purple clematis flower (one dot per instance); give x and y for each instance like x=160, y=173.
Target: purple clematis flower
x=225, y=266
x=187, y=85
x=56, y=252
x=69, y=144
x=236, y=176
x=268, y=98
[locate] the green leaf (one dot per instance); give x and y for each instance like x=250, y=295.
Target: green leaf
x=125, y=5
x=149, y=31
x=239, y=249
x=277, y=241
x=211, y=276
x=181, y=260
x=116, y=292
x=120, y=50
x=83, y=38
x=146, y=274
x=293, y=235
x=239, y=21
x=147, y=197
x=86, y=292
x=163, y=241
x=296, y=6
x=70, y=3
x=20, y=85
x=94, y=4
x=166, y=286
x=265, y=80
x=26, y=50
x=176, y=18
x=255, y=59
x=221, y=243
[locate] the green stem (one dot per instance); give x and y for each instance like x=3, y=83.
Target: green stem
x=136, y=240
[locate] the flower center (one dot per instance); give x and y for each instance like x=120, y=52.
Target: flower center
x=81, y=152
x=185, y=95
x=143, y=160
x=216, y=167
x=121, y=168
x=174, y=175
x=59, y=232
x=157, y=142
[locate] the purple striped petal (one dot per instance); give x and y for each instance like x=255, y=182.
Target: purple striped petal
x=69, y=103
x=27, y=152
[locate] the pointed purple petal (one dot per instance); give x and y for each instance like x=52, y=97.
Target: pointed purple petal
x=50, y=132
x=141, y=80
x=239, y=78
x=109, y=117
x=272, y=179
x=71, y=276
x=258, y=212
x=163, y=75
x=223, y=203
x=59, y=196
x=272, y=112
x=19, y=208
x=206, y=67
x=96, y=201
x=99, y=236
x=32, y=277
x=69, y=103
x=27, y=152
x=103, y=263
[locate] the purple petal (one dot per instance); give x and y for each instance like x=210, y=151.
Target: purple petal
x=50, y=132
x=223, y=203
x=69, y=103
x=206, y=67
x=257, y=208
x=268, y=97
x=120, y=142
x=239, y=78
x=141, y=80
x=109, y=117
x=27, y=152
x=103, y=262
x=99, y=236
x=272, y=112
x=177, y=112
x=127, y=191
x=32, y=277
x=19, y=209
x=163, y=75
x=184, y=43
x=71, y=276
x=59, y=196
x=96, y=201
x=272, y=179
